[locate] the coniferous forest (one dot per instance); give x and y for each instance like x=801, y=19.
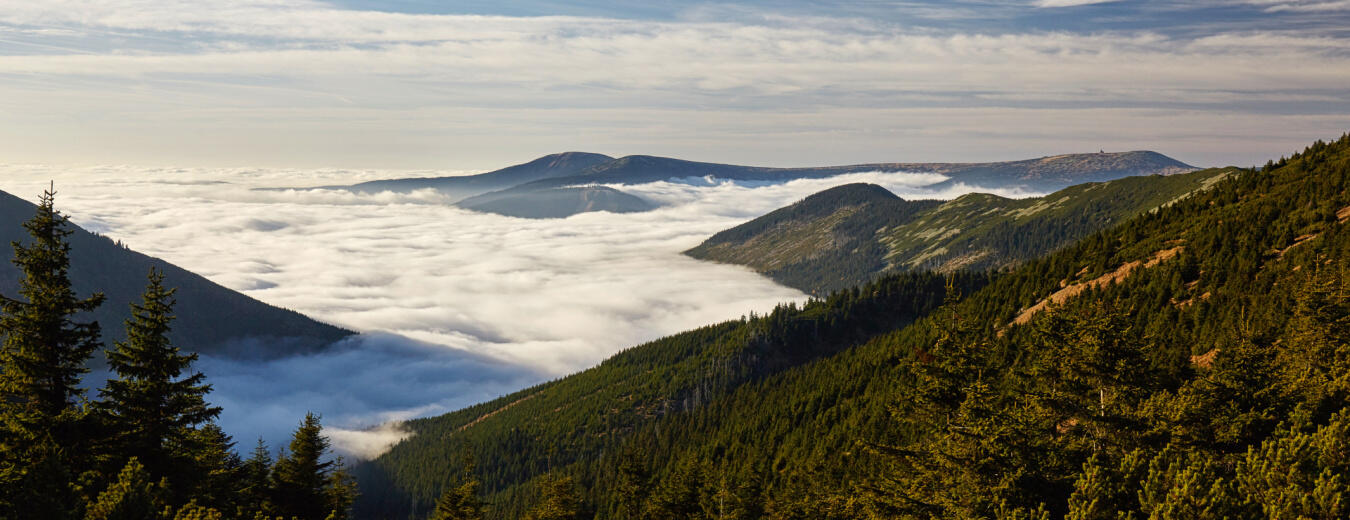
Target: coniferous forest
x=145, y=446
x=1191, y=362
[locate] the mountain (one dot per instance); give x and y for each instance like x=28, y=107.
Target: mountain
x=211, y=319
x=825, y=242
x=850, y=234
x=549, y=166
x=557, y=202
x=1043, y=174
x=1188, y=362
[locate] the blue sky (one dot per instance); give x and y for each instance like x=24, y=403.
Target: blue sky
x=479, y=84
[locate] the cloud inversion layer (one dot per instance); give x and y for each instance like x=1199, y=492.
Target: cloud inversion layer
x=458, y=307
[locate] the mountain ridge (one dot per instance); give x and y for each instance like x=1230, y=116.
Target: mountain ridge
x=211, y=319
x=1040, y=174
x=973, y=231
x=552, y=165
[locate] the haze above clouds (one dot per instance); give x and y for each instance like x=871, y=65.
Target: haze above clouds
x=409, y=83
x=457, y=307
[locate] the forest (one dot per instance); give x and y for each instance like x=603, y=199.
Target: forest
x=146, y=447
x=1191, y=362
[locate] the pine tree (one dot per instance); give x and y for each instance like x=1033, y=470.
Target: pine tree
x=43, y=355
x=151, y=406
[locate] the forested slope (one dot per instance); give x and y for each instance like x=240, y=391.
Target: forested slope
x=579, y=420
x=1191, y=363
x=848, y=235
x=211, y=319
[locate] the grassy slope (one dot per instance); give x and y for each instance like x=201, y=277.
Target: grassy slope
x=840, y=238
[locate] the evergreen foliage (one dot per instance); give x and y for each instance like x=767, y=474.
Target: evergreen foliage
x=152, y=410
x=1190, y=362
x=558, y=501
x=305, y=484
x=462, y=500
x=147, y=449
x=43, y=358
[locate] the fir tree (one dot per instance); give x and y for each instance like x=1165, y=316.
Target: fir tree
x=151, y=406
x=43, y=356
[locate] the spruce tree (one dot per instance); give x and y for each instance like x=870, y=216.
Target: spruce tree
x=133, y=496
x=152, y=408
x=460, y=501
x=43, y=355
x=632, y=487
x=559, y=501
x=255, y=481
x=304, y=484
x=211, y=477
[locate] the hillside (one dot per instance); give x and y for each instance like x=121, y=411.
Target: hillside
x=826, y=242
x=549, y=166
x=1197, y=368
x=842, y=237
x=211, y=319
x=557, y=202
x=1043, y=174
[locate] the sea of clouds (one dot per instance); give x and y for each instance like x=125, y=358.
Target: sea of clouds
x=455, y=307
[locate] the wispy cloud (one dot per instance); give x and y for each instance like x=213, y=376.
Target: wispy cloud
x=1277, y=6
x=1069, y=3
x=302, y=82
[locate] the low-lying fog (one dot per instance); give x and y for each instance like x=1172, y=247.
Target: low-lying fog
x=455, y=307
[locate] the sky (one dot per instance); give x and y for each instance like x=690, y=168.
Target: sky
x=476, y=84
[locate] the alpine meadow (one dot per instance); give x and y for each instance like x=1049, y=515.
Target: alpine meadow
x=742, y=260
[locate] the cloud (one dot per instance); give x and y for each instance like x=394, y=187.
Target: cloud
x=1278, y=6
x=1069, y=3
x=455, y=307
x=299, y=82
x=362, y=388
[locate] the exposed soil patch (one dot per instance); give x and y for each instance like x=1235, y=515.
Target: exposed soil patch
x=497, y=411
x=1205, y=360
x=1297, y=242
x=1114, y=277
